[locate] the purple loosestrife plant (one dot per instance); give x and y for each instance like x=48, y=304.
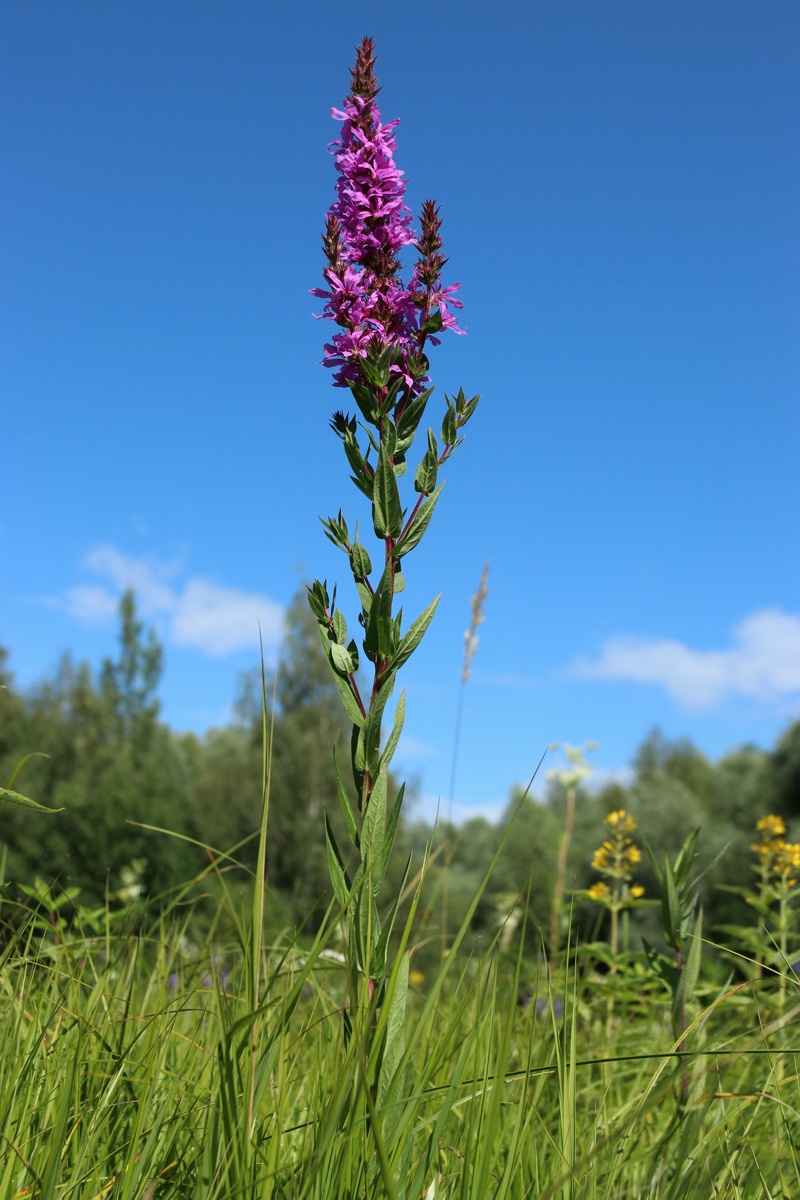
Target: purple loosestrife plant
x=384, y=326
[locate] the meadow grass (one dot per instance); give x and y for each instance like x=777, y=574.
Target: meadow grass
x=136, y=1062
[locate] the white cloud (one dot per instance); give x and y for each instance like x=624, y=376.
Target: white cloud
x=200, y=613
x=410, y=747
x=92, y=604
x=220, y=620
x=763, y=664
x=426, y=806
x=146, y=576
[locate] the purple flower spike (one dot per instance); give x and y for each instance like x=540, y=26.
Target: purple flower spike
x=367, y=227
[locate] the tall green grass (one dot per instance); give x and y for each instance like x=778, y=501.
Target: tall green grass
x=138, y=1063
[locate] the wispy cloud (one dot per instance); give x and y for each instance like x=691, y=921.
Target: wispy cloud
x=762, y=664
x=194, y=612
x=411, y=747
x=427, y=806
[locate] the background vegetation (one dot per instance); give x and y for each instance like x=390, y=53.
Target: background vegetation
x=111, y=763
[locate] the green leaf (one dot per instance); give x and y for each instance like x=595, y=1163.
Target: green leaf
x=413, y=535
x=343, y=683
x=416, y=632
x=373, y=829
x=10, y=797
x=360, y=562
x=339, y=627
x=341, y=884
x=409, y=420
x=372, y=724
x=388, y=437
x=319, y=600
x=686, y=856
x=450, y=451
x=26, y=758
x=362, y=472
x=691, y=968
x=450, y=426
x=365, y=596
x=344, y=801
x=665, y=971
x=341, y=658
x=352, y=650
x=426, y=472
x=387, y=511
x=671, y=908
x=375, y=373
x=395, y=1044
x=379, y=636
x=397, y=729
x=433, y=323
x=365, y=399
x=388, y=841
x=388, y=925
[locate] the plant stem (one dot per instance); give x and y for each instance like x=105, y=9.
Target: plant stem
x=558, y=892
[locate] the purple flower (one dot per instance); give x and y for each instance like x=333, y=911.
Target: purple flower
x=367, y=227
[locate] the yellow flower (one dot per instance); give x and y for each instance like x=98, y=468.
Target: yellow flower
x=787, y=856
x=600, y=892
x=620, y=820
x=771, y=826
x=601, y=857
x=636, y=891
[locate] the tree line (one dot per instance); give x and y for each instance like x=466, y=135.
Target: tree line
x=102, y=754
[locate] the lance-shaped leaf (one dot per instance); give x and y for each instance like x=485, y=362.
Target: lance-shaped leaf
x=417, y=526
x=357, y=760
x=660, y=966
x=344, y=801
x=368, y=928
x=387, y=511
x=397, y=729
x=366, y=401
x=464, y=407
x=339, y=879
x=416, y=632
x=376, y=373
x=425, y=474
x=336, y=530
x=379, y=635
x=388, y=925
x=341, y=658
x=372, y=725
x=409, y=420
x=395, y=1044
x=671, y=908
x=343, y=682
x=450, y=425
x=363, y=473
x=339, y=626
x=684, y=992
x=373, y=828
x=319, y=600
x=388, y=841
x=433, y=323
x=360, y=562
x=450, y=451
x=9, y=797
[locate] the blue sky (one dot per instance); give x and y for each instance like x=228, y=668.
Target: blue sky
x=620, y=190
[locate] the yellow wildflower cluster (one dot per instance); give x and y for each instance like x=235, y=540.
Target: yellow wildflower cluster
x=779, y=859
x=616, y=858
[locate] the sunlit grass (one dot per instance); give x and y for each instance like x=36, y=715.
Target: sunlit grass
x=135, y=1064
